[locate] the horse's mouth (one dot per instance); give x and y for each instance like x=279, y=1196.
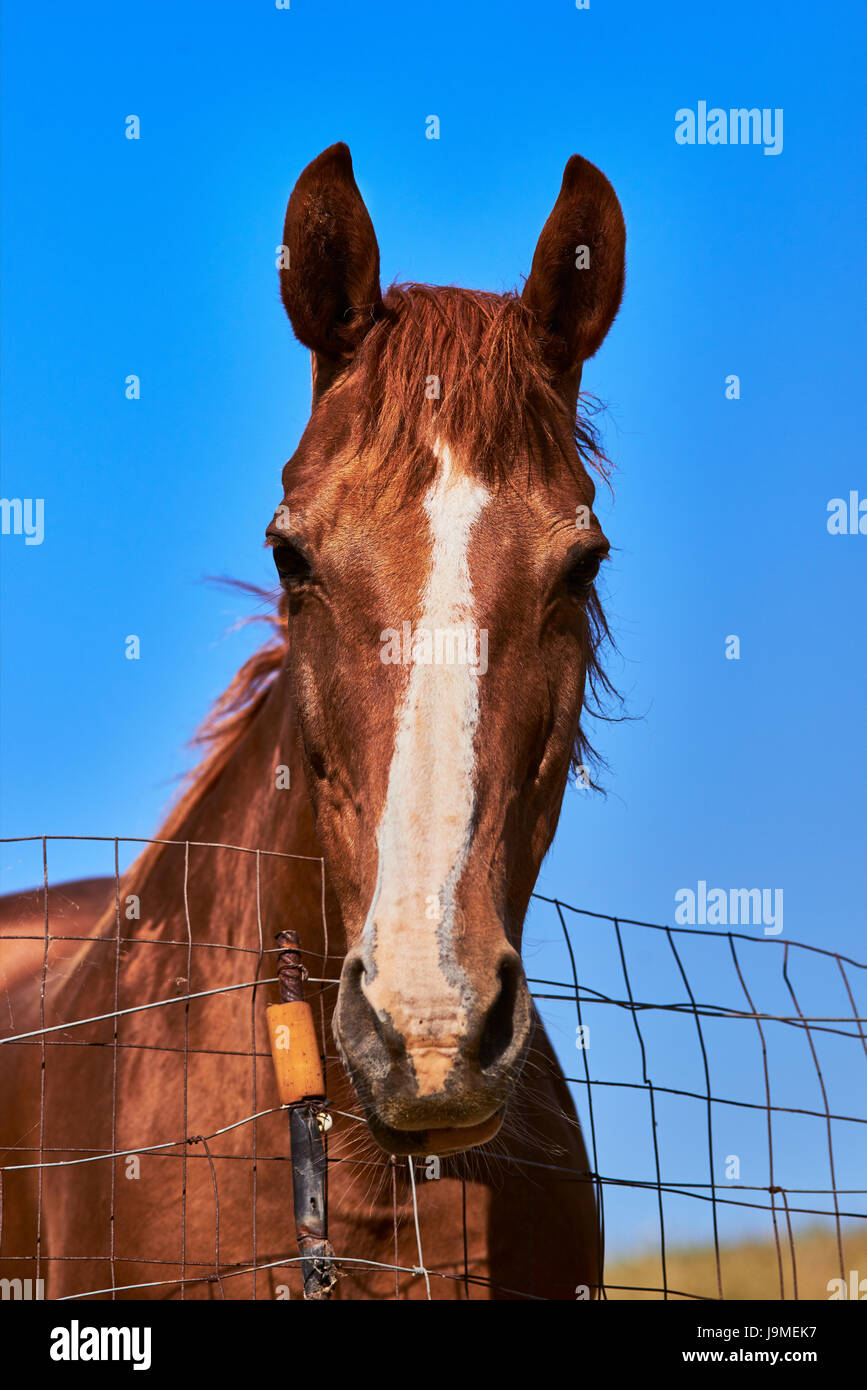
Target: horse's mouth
x=439, y=1142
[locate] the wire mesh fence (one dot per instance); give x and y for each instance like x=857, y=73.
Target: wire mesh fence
x=648, y=1055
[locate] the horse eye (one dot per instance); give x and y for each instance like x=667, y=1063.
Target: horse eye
x=292, y=567
x=582, y=572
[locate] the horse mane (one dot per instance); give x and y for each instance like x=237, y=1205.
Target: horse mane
x=468, y=366
x=227, y=723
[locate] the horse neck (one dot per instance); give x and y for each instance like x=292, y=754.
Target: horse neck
x=236, y=896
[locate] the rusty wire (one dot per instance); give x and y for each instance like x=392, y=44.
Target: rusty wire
x=580, y=994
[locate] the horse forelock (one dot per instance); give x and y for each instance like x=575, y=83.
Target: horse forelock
x=467, y=367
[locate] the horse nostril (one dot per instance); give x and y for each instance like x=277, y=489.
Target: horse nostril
x=361, y=1025
x=499, y=1026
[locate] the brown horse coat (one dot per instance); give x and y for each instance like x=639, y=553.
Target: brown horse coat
x=403, y=845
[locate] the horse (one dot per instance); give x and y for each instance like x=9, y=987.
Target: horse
x=384, y=776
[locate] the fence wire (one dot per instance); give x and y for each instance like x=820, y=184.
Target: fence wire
x=777, y=1198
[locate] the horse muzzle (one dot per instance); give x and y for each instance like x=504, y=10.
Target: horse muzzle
x=432, y=1078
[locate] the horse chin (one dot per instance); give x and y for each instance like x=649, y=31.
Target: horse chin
x=441, y=1142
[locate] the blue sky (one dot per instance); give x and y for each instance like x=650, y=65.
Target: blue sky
x=156, y=257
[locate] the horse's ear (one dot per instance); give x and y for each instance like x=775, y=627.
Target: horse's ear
x=330, y=286
x=576, y=280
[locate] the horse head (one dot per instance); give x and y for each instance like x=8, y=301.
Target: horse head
x=438, y=549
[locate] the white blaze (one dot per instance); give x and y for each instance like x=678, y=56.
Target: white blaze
x=424, y=834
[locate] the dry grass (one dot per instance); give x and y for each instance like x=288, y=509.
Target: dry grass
x=750, y=1269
